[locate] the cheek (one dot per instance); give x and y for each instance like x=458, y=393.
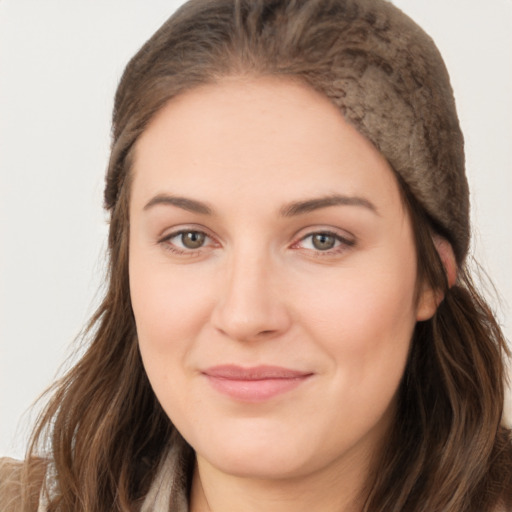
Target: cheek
x=165, y=302
x=365, y=327
x=364, y=321
x=171, y=307
x=364, y=310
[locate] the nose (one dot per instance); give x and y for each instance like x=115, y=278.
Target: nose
x=250, y=305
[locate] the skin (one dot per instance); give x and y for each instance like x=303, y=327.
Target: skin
x=258, y=290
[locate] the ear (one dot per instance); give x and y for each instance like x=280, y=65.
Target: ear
x=445, y=251
x=430, y=299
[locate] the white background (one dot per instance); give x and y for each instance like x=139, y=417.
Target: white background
x=60, y=62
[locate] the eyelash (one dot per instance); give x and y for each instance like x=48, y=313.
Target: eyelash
x=344, y=243
x=169, y=246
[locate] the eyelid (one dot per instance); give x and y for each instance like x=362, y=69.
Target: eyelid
x=346, y=241
x=171, y=231
x=164, y=240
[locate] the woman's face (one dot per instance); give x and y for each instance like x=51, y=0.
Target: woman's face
x=273, y=278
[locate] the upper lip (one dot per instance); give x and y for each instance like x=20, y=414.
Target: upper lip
x=262, y=372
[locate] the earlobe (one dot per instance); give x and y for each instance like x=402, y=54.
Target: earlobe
x=431, y=298
x=428, y=303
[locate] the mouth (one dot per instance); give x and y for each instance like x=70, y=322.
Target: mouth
x=254, y=384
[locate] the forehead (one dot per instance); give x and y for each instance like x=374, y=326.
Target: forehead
x=264, y=138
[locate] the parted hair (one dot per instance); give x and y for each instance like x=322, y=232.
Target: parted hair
x=448, y=451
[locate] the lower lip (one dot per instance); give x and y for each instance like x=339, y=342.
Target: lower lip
x=255, y=390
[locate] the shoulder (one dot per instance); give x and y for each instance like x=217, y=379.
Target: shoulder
x=10, y=484
x=16, y=478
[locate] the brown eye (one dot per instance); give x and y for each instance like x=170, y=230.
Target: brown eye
x=323, y=241
x=192, y=239
x=187, y=243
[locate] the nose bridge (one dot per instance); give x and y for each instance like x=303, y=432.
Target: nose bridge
x=249, y=305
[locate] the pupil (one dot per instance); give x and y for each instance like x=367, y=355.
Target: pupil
x=192, y=239
x=323, y=241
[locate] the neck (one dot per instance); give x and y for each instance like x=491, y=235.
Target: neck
x=334, y=489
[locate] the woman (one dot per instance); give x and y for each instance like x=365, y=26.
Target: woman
x=289, y=323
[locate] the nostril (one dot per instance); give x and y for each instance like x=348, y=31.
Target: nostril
x=263, y=333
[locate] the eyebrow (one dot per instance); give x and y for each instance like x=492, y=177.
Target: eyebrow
x=289, y=210
x=309, y=205
x=184, y=203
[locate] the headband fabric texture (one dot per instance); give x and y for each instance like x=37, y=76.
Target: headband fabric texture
x=396, y=91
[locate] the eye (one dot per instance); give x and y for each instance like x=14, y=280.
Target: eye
x=186, y=241
x=324, y=242
x=191, y=239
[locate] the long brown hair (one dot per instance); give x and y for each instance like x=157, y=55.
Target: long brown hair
x=104, y=430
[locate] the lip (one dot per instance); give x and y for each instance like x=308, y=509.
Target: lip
x=254, y=384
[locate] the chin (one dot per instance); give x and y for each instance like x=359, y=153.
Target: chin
x=256, y=452
x=274, y=464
